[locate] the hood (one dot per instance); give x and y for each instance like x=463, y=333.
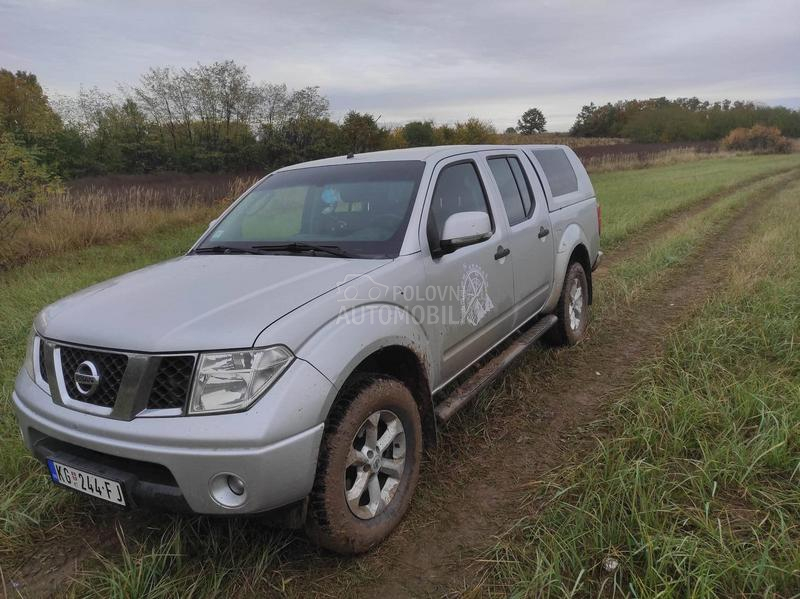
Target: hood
x=195, y=303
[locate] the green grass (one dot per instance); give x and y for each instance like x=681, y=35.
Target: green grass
x=626, y=279
x=27, y=500
x=634, y=199
x=30, y=505
x=235, y=561
x=694, y=486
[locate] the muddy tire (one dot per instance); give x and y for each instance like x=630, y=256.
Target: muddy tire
x=368, y=466
x=572, y=310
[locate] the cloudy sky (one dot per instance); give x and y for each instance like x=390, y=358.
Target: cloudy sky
x=413, y=59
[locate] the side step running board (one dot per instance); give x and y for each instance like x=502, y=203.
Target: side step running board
x=470, y=388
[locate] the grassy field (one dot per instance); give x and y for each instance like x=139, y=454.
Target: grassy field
x=201, y=558
x=634, y=199
x=693, y=489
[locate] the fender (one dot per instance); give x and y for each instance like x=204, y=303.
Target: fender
x=338, y=347
x=572, y=237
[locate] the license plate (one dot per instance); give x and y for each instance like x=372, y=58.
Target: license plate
x=85, y=482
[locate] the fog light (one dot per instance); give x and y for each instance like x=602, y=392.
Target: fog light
x=235, y=484
x=228, y=490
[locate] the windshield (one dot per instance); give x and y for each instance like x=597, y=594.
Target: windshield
x=362, y=209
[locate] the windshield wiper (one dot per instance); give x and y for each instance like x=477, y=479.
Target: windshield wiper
x=333, y=250
x=226, y=249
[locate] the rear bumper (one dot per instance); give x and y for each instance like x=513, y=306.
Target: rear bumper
x=173, y=462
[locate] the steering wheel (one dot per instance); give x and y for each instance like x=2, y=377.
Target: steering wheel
x=388, y=221
x=332, y=225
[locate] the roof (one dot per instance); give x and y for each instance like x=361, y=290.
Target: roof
x=426, y=153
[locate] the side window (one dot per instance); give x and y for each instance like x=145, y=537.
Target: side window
x=513, y=187
x=458, y=189
x=523, y=184
x=558, y=170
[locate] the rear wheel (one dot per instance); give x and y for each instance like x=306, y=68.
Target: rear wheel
x=368, y=466
x=572, y=310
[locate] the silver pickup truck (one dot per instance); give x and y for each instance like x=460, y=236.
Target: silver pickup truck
x=299, y=357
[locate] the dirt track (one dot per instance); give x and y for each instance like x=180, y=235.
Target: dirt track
x=473, y=483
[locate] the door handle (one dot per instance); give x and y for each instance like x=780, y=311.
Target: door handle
x=543, y=232
x=501, y=252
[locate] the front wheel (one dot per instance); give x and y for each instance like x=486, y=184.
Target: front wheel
x=572, y=310
x=368, y=466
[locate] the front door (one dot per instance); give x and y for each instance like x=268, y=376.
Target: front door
x=470, y=294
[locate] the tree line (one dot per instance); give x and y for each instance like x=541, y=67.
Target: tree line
x=215, y=117
x=207, y=118
x=660, y=120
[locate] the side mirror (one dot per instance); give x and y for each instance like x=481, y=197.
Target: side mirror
x=465, y=228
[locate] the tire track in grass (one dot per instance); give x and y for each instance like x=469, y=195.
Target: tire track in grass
x=666, y=446
x=660, y=228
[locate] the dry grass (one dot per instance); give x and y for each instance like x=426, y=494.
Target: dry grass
x=85, y=215
x=622, y=162
x=556, y=138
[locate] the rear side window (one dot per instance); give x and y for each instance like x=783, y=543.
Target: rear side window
x=458, y=189
x=522, y=184
x=558, y=170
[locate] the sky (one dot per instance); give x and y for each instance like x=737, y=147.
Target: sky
x=410, y=59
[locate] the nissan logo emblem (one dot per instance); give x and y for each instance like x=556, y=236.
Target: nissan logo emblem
x=86, y=378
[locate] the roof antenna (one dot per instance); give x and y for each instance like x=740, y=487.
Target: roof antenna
x=350, y=155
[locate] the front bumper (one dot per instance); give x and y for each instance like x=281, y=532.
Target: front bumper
x=272, y=447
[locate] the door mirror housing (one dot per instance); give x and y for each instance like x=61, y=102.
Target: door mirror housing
x=465, y=228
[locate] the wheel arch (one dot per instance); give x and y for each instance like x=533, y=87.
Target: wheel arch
x=396, y=346
x=581, y=254
x=573, y=245
x=405, y=365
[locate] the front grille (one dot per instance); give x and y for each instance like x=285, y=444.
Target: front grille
x=168, y=388
x=42, y=368
x=172, y=383
x=110, y=368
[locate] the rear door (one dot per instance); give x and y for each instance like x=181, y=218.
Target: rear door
x=470, y=292
x=529, y=239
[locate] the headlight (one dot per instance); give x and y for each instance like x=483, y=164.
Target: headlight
x=232, y=381
x=28, y=365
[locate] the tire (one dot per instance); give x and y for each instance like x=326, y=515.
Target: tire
x=369, y=409
x=572, y=323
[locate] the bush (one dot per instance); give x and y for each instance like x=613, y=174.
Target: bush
x=758, y=139
x=24, y=184
x=473, y=131
x=419, y=133
x=24, y=188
